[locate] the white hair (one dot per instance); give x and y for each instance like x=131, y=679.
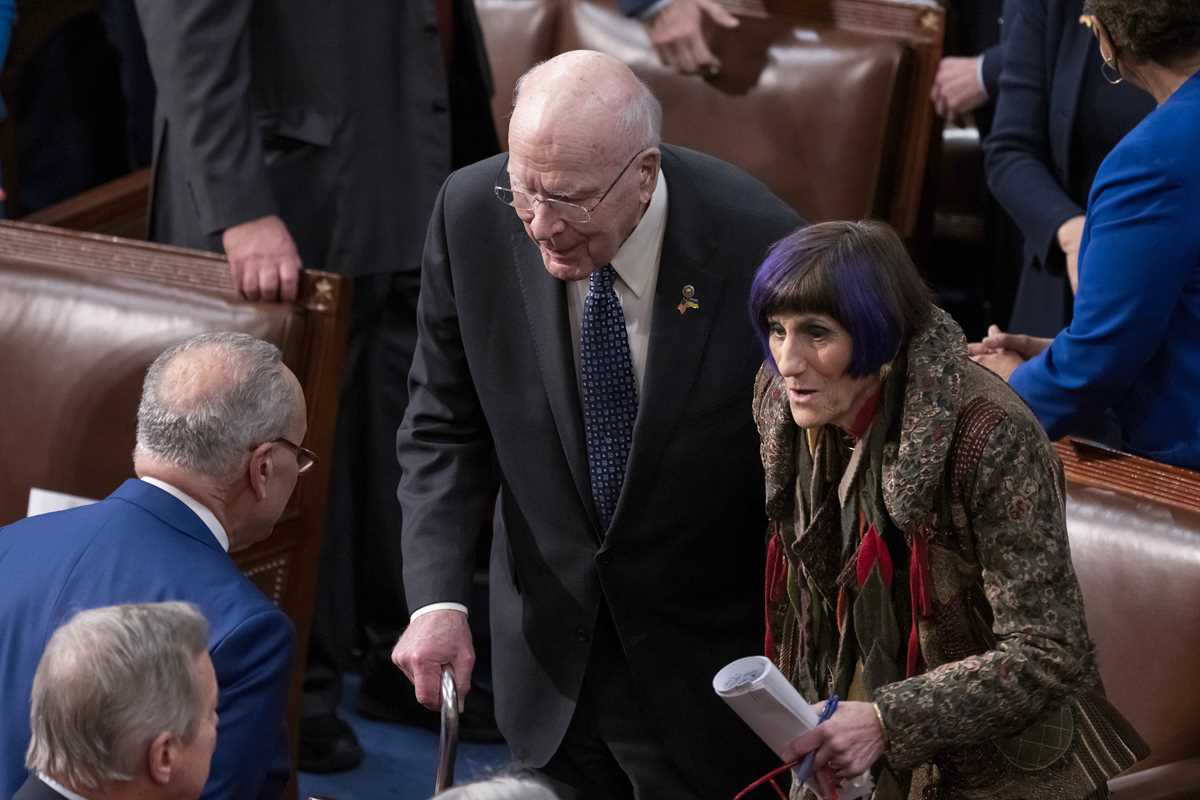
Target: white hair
x=204, y=424
x=109, y=682
x=508, y=787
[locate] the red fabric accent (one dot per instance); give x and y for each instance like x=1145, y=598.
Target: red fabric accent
x=774, y=586
x=862, y=420
x=922, y=606
x=873, y=551
x=445, y=21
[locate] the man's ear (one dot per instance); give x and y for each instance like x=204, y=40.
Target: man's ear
x=162, y=757
x=648, y=166
x=260, y=469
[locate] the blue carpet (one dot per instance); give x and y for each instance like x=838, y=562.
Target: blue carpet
x=400, y=760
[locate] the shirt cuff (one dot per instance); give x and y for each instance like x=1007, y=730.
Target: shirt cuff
x=649, y=11
x=423, y=610
x=979, y=78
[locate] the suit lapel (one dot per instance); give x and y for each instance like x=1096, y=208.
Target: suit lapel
x=167, y=509
x=545, y=302
x=677, y=340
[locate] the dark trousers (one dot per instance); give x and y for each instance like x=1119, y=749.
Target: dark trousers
x=359, y=580
x=611, y=750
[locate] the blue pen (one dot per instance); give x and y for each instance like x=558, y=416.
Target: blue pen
x=803, y=771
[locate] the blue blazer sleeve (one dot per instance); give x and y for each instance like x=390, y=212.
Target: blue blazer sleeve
x=1018, y=153
x=1140, y=247
x=254, y=667
x=635, y=8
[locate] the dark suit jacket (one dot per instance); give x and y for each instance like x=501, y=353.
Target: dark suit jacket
x=142, y=545
x=334, y=115
x=35, y=789
x=680, y=568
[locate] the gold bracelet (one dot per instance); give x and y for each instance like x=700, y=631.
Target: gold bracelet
x=882, y=727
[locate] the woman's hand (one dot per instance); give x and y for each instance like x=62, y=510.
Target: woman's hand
x=1070, y=236
x=1003, y=352
x=846, y=745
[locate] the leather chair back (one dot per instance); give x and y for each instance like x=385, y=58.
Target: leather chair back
x=1135, y=542
x=825, y=101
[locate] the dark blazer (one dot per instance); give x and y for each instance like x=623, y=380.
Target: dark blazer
x=142, y=545
x=1134, y=344
x=35, y=789
x=334, y=115
x=681, y=566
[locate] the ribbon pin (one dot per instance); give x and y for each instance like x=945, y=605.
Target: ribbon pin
x=689, y=300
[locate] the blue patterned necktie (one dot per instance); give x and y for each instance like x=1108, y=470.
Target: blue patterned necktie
x=609, y=391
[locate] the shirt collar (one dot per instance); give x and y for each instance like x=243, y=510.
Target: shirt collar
x=58, y=787
x=199, y=509
x=637, y=259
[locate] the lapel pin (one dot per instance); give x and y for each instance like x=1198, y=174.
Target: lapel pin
x=689, y=299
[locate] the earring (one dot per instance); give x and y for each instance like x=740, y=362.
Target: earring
x=1109, y=68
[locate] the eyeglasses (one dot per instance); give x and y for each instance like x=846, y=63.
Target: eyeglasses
x=305, y=458
x=525, y=203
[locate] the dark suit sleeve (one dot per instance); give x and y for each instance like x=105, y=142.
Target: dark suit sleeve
x=993, y=62
x=199, y=53
x=1018, y=157
x=254, y=666
x=443, y=445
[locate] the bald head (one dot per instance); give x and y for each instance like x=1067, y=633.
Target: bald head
x=587, y=100
x=207, y=400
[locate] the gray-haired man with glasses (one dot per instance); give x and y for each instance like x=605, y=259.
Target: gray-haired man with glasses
x=219, y=433
x=595, y=345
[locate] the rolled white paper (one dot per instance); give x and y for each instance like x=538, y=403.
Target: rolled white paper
x=774, y=710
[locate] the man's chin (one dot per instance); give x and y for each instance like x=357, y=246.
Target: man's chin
x=568, y=269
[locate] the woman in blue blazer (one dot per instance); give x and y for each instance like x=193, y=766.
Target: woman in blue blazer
x=1056, y=119
x=1134, y=343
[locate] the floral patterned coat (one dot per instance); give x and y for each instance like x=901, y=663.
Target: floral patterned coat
x=1007, y=701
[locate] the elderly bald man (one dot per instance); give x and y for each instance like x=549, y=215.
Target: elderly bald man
x=219, y=434
x=583, y=326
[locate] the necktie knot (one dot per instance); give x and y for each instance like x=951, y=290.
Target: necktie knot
x=601, y=280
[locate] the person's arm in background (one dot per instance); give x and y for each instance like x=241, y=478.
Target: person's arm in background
x=254, y=667
x=676, y=29
x=199, y=53
x=1140, y=250
x=1017, y=153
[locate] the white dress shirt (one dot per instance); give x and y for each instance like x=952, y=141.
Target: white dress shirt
x=636, y=264
x=58, y=787
x=201, y=510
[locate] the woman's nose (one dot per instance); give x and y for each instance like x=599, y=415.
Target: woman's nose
x=791, y=360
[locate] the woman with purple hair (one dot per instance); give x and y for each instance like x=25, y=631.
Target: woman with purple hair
x=918, y=565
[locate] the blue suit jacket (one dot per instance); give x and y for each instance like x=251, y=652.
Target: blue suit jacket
x=1134, y=343
x=142, y=545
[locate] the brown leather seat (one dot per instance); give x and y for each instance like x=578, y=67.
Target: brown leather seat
x=1135, y=542
x=81, y=318
x=826, y=102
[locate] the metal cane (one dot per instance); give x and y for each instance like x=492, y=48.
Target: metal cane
x=448, y=740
